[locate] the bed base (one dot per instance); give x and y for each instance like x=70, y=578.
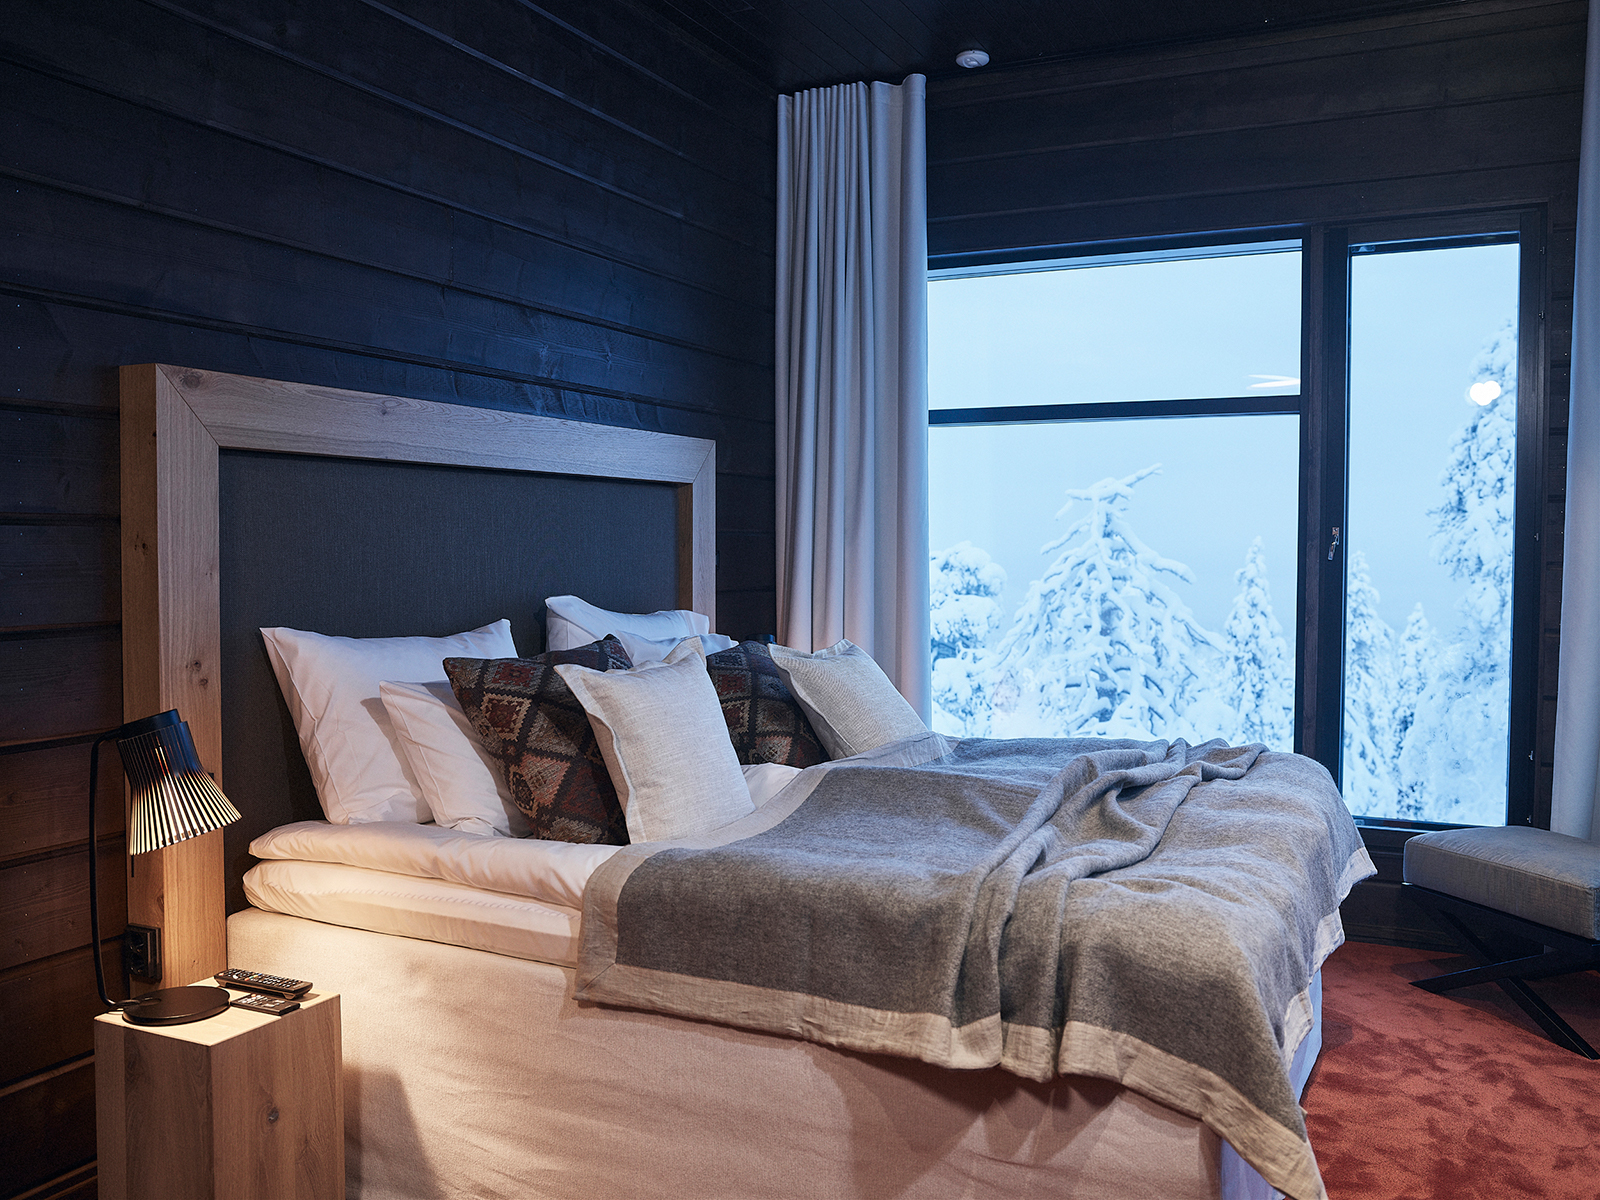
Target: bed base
x=471, y=1074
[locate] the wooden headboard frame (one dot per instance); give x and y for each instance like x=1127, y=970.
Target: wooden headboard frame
x=174, y=422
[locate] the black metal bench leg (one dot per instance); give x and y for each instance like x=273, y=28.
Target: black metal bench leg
x=1546, y=1018
x=1555, y=1028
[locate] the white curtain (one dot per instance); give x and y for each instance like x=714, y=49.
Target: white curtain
x=852, y=387
x=1575, y=805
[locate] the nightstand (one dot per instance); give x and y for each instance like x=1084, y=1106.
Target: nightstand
x=239, y=1106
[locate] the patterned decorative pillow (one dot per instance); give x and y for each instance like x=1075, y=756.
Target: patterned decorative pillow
x=764, y=720
x=540, y=735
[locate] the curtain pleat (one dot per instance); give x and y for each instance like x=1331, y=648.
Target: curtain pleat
x=1575, y=807
x=852, y=388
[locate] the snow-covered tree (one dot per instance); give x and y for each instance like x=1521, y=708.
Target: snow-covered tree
x=1258, y=672
x=1369, y=690
x=1413, y=671
x=965, y=586
x=1456, y=747
x=1101, y=645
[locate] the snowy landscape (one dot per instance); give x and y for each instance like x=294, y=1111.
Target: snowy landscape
x=1103, y=645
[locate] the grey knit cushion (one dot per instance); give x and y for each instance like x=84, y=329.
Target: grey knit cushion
x=1530, y=873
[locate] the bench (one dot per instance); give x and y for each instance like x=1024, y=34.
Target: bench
x=1497, y=889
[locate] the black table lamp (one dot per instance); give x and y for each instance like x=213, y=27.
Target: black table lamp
x=173, y=800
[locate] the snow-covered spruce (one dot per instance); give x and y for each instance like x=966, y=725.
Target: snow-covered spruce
x=1258, y=671
x=1454, y=754
x=965, y=586
x=1101, y=645
x=1369, y=781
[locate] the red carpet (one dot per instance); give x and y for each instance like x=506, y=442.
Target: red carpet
x=1457, y=1097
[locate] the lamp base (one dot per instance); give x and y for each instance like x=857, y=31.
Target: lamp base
x=176, y=1006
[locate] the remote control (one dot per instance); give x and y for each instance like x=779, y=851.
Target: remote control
x=274, y=1005
x=254, y=981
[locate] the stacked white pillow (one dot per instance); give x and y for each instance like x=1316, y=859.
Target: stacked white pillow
x=459, y=778
x=331, y=685
x=647, y=637
x=386, y=739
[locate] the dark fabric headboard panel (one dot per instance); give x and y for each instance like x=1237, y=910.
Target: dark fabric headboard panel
x=363, y=548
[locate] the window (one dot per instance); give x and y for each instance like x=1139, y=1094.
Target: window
x=1143, y=524
x=1432, y=429
x=1113, y=467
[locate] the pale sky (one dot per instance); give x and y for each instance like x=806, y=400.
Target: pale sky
x=1216, y=327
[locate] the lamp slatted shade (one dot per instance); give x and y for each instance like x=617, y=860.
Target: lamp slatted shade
x=173, y=798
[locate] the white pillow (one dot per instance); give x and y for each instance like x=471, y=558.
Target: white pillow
x=665, y=742
x=331, y=687
x=852, y=705
x=461, y=782
x=570, y=622
x=642, y=650
x=766, y=780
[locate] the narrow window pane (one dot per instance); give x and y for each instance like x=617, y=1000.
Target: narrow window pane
x=1165, y=330
x=1432, y=479
x=1115, y=578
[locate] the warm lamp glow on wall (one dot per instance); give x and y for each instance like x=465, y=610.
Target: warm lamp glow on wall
x=173, y=799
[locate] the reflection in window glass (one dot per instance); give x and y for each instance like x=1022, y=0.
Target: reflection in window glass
x=1115, y=578
x=1165, y=330
x=1432, y=474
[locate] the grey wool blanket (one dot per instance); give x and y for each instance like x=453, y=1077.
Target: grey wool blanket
x=1146, y=912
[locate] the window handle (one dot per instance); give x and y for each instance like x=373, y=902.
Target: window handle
x=1333, y=545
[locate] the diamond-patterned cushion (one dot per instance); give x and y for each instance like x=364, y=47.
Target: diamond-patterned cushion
x=764, y=720
x=537, y=731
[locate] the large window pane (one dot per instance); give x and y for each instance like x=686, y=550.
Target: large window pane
x=1115, y=578
x=1165, y=330
x=1432, y=457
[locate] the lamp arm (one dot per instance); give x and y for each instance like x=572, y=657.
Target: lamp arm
x=94, y=877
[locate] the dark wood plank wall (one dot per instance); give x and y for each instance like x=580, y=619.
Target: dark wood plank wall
x=554, y=207
x=1463, y=107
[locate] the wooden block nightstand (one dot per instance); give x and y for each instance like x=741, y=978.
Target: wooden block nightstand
x=240, y=1106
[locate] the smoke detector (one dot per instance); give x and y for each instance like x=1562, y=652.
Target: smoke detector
x=972, y=57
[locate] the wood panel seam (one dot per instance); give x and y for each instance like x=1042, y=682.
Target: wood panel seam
x=755, y=85
x=72, y=1064
x=961, y=91
x=550, y=90
x=442, y=282
x=59, y=1186
x=15, y=633
x=86, y=520
x=465, y=127
x=46, y=409
x=105, y=842
x=455, y=206
x=1270, y=188
x=1178, y=135
x=377, y=354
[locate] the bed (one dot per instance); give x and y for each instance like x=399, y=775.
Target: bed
x=471, y=1067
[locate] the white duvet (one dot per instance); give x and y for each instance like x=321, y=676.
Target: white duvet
x=517, y=896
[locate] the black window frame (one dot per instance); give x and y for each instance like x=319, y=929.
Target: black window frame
x=1322, y=405
x=1324, y=431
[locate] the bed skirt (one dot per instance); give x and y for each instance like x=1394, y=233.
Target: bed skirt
x=470, y=1074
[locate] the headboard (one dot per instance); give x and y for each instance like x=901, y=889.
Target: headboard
x=250, y=501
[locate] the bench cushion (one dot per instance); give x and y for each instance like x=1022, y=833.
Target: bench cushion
x=1545, y=877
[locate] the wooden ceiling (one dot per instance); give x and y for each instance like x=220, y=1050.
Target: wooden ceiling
x=795, y=44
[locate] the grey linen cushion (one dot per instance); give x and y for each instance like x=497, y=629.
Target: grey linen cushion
x=664, y=741
x=852, y=705
x=1540, y=876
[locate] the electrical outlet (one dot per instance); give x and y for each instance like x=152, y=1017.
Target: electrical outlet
x=141, y=953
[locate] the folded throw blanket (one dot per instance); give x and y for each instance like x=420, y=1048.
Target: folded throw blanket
x=1146, y=912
